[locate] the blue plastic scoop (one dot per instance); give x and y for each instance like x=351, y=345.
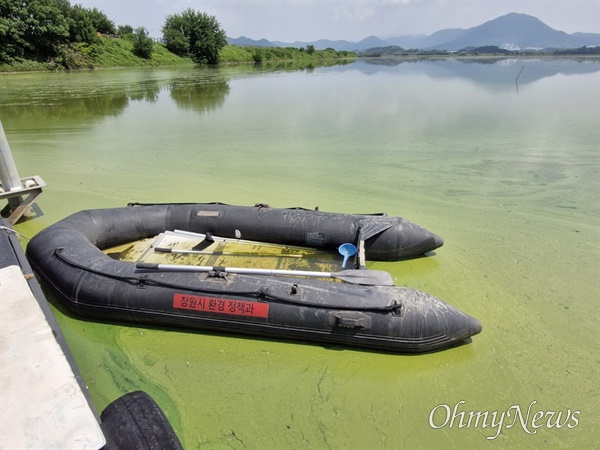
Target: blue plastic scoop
x=346, y=250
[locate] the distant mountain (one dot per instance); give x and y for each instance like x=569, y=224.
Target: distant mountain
x=371, y=41
x=405, y=41
x=588, y=36
x=438, y=39
x=512, y=32
x=243, y=41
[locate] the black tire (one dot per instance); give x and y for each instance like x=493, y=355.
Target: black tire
x=135, y=422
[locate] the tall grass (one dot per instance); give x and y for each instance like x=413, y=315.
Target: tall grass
x=118, y=52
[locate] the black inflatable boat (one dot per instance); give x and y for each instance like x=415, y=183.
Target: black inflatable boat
x=68, y=256
x=384, y=238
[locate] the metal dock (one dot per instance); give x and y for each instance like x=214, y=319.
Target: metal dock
x=44, y=402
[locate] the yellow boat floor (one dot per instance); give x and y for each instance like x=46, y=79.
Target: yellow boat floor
x=179, y=247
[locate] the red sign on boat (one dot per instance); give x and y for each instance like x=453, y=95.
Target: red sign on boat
x=221, y=305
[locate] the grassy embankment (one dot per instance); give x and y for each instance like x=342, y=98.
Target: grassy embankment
x=236, y=54
x=118, y=52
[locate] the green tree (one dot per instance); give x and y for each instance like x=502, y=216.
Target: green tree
x=45, y=28
x=32, y=28
x=142, y=43
x=310, y=49
x=100, y=22
x=12, y=30
x=176, y=34
x=81, y=26
x=124, y=29
x=45, y=25
x=85, y=24
x=196, y=34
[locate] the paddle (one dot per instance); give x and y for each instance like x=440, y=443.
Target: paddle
x=368, y=277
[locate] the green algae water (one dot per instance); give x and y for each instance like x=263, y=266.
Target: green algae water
x=505, y=170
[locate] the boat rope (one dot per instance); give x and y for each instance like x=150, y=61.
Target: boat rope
x=14, y=231
x=132, y=204
x=259, y=294
x=144, y=279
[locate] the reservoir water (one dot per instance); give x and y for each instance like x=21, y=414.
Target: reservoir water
x=505, y=170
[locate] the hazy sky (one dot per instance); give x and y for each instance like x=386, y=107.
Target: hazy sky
x=310, y=20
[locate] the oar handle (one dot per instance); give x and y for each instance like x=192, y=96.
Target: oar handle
x=297, y=273
x=237, y=270
x=369, y=277
x=177, y=267
x=147, y=266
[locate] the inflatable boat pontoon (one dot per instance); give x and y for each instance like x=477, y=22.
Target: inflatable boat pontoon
x=68, y=256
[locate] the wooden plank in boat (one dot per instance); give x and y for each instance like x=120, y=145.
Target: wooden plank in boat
x=225, y=252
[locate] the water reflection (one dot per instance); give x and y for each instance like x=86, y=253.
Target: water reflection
x=68, y=109
x=148, y=91
x=199, y=96
x=489, y=72
x=87, y=97
x=308, y=66
x=53, y=99
x=56, y=99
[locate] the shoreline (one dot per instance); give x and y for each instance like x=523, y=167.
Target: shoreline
x=410, y=57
